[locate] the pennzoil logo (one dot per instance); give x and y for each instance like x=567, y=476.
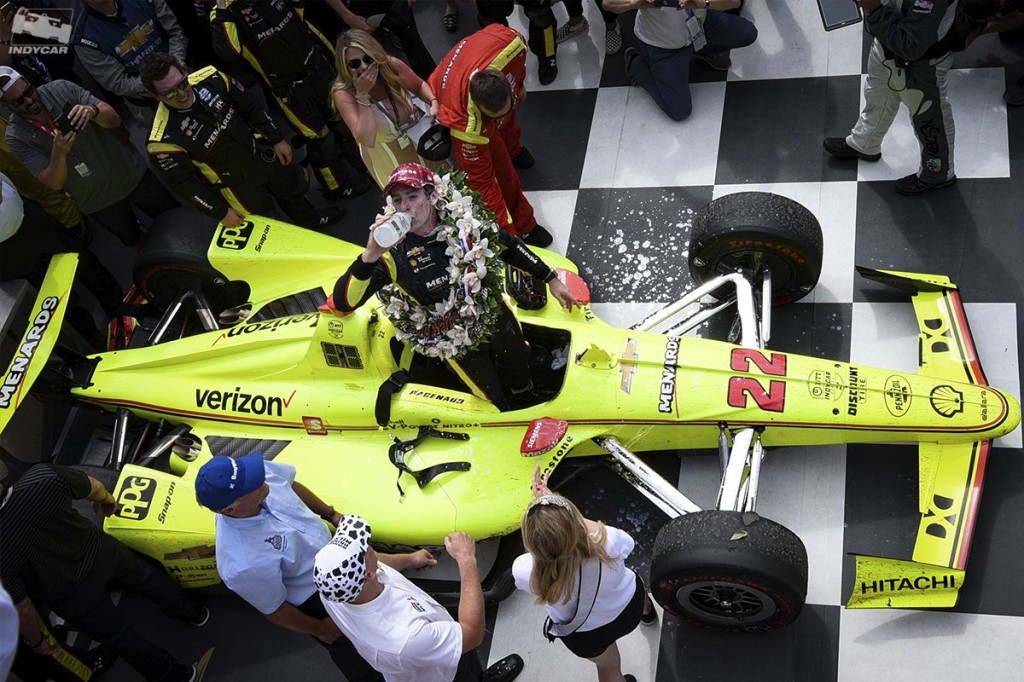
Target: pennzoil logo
x=136, y=495
x=898, y=394
x=23, y=356
x=947, y=401
x=234, y=238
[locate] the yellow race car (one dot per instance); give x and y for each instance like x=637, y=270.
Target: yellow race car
x=246, y=356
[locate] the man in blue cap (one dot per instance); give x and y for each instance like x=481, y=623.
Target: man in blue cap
x=269, y=529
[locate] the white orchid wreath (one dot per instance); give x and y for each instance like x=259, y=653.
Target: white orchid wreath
x=466, y=318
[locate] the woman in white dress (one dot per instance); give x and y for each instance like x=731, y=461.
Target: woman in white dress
x=381, y=100
x=576, y=568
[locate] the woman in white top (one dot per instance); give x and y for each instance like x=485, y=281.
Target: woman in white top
x=377, y=96
x=576, y=568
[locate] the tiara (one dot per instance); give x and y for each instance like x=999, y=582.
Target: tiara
x=554, y=500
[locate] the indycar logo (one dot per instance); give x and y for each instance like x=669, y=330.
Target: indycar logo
x=947, y=401
x=825, y=384
x=234, y=238
x=136, y=494
x=668, y=376
x=23, y=356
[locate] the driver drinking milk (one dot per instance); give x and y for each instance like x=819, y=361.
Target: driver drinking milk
x=446, y=300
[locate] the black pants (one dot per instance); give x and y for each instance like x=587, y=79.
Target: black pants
x=149, y=196
x=269, y=181
x=541, y=34
x=398, y=19
x=343, y=653
x=88, y=607
x=501, y=366
x=575, y=9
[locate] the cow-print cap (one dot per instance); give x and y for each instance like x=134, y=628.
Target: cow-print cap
x=340, y=567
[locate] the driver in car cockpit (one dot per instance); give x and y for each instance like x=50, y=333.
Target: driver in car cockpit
x=446, y=295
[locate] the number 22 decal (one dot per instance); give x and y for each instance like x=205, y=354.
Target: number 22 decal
x=772, y=399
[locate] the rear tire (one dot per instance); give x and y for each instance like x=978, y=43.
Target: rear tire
x=729, y=571
x=749, y=231
x=173, y=260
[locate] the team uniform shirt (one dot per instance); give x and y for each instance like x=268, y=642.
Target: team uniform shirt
x=211, y=144
x=45, y=545
x=665, y=27
x=12, y=209
x=102, y=170
x=914, y=29
x=403, y=633
x=495, y=47
x=419, y=266
x=267, y=559
x=112, y=48
x=614, y=593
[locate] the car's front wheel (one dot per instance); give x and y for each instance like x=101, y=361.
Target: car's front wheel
x=729, y=571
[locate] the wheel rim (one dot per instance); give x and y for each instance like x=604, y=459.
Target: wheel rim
x=754, y=262
x=725, y=603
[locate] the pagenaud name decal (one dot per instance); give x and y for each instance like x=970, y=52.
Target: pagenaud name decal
x=23, y=356
x=668, y=376
x=243, y=403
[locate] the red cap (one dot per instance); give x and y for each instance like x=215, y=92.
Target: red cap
x=410, y=174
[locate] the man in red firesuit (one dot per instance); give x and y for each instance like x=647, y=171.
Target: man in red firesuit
x=479, y=85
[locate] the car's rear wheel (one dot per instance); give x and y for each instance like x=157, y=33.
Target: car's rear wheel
x=751, y=231
x=173, y=260
x=729, y=571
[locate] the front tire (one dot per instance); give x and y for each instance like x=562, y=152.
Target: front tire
x=751, y=231
x=729, y=571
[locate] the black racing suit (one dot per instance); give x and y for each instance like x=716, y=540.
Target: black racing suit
x=296, y=62
x=419, y=266
x=210, y=157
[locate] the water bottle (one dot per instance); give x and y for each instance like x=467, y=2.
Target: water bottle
x=389, y=232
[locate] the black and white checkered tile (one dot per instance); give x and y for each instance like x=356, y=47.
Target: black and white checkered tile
x=618, y=184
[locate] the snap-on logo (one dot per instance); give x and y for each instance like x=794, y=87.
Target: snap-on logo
x=136, y=494
x=234, y=238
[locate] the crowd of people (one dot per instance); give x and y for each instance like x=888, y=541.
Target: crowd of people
x=226, y=90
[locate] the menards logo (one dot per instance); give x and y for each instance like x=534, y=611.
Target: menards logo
x=244, y=403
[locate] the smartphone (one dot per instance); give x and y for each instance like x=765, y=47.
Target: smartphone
x=63, y=122
x=667, y=3
x=838, y=13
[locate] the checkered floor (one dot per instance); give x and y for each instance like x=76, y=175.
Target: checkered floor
x=612, y=170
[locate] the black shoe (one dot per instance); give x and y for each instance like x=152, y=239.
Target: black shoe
x=629, y=678
x=538, y=237
x=837, y=147
x=629, y=55
x=720, y=61
x=547, y=71
x=524, y=159
x=649, y=618
x=912, y=185
x=505, y=670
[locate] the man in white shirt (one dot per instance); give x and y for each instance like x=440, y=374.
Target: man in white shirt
x=396, y=626
x=669, y=34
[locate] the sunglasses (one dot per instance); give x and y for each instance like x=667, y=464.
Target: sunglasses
x=180, y=86
x=354, y=64
x=30, y=91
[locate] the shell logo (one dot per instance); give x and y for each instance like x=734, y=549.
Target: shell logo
x=947, y=401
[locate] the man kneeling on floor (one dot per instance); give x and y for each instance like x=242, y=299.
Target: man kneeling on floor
x=395, y=625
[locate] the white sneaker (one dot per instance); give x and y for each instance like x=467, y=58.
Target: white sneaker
x=569, y=29
x=612, y=40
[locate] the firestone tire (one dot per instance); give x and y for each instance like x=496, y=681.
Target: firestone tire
x=748, y=231
x=729, y=571
x=173, y=260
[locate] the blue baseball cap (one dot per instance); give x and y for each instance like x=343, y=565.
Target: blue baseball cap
x=224, y=479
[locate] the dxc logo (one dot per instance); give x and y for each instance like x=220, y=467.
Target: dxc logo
x=234, y=238
x=136, y=494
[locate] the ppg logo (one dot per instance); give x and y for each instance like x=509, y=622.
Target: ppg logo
x=136, y=494
x=234, y=238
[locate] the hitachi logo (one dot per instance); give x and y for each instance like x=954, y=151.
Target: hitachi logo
x=245, y=403
x=921, y=582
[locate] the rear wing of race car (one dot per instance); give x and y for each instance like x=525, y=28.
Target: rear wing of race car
x=40, y=337
x=950, y=476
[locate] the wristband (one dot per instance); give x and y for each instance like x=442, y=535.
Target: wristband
x=329, y=516
x=42, y=638
x=552, y=276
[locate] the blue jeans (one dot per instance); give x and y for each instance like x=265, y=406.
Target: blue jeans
x=665, y=74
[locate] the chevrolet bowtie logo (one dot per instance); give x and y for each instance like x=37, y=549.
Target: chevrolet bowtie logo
x=628, y=365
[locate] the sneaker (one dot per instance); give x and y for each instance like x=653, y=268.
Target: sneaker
x=547, y=71
x=837, y=147
x=505, y=670
x=200, y=618
x=524, y=159
x=912, y=184
x=628, y=678
x=538, y=237
x=629, y=55
x=569, y=29
x=720, y=61
x=612, y=39
x=649, y=618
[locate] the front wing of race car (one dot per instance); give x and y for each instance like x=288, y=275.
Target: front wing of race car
x=951, y=475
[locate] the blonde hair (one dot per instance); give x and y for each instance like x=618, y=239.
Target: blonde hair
x=557, y=538
x=362, y=40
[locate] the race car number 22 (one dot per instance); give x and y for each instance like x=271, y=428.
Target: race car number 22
x=772, y=399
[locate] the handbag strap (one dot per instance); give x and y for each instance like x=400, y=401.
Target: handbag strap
x=579, y=594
